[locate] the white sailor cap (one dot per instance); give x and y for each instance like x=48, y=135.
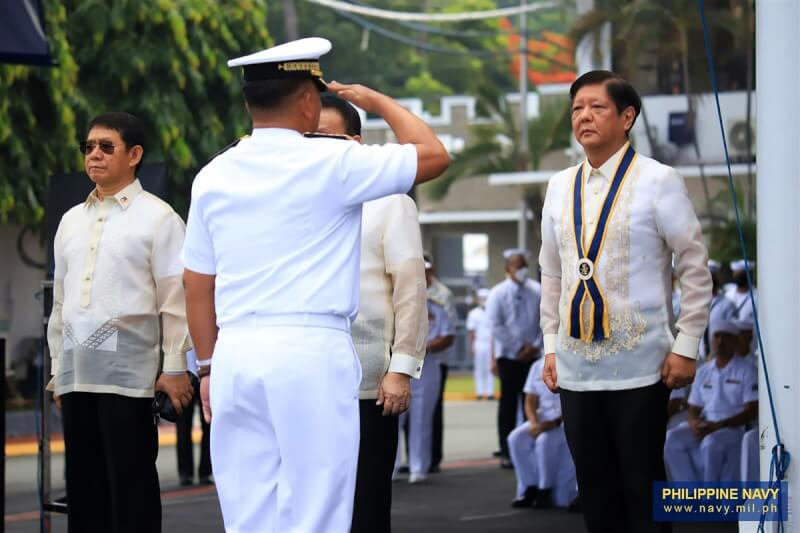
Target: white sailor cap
x=740, y=265
x=511, y=252
x=714, y=266
x=723, y=324
x=293, y=60
x=482, y=293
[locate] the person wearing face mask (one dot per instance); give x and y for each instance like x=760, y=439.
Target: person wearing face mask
x=738, y=293
x=513, y=310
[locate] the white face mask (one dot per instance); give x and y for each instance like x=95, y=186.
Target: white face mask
x=521, y=275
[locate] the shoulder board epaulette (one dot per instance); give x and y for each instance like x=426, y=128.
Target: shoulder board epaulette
x=231, y=145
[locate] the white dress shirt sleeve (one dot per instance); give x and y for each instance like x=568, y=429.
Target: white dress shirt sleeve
x=500, y=330
x=198, y=249
x=550, y=263
x=167, y=271
x=678, y=225
x=369, y=172
x=402, y=250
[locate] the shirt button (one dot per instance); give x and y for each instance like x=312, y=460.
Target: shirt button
x=87, y=278
x=100, y=219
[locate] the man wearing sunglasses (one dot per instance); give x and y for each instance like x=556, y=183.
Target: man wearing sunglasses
x=118, y=303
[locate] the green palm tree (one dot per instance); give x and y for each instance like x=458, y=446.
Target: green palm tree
x=495, y=147
x=662, y=28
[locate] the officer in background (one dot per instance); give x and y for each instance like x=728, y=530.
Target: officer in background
x=271, y=276
x=542, y=463
x=479, y=340
x=424, y=394
x=442, y=295
x=724, y=398
x=513, y=310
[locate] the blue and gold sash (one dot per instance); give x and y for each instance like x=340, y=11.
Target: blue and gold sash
x=587, y=286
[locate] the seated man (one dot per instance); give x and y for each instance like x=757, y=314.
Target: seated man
x=538, y=448
x=723, y=400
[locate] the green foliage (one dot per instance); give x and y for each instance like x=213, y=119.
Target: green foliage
x=163, y=61
x=495, y=147
x=398, y=69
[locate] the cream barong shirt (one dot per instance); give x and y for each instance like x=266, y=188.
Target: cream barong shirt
x=118, y=298
x=653, y=219
x=389, y=333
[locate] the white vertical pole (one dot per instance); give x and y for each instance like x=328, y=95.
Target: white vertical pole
x=778, y=226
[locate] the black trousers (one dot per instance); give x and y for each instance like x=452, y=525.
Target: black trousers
x=376, y=455
x=438, y=423
x=512, y=374
x=111, y=448
x=185, y=448
x=616, y=439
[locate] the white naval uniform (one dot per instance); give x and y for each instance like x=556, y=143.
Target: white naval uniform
x=721, y=393
x=277, y=220
x=750, y=456
x=543, y=462
x=424, y=396
x=479, y=324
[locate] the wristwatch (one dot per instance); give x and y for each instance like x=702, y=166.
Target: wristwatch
x=203, y=371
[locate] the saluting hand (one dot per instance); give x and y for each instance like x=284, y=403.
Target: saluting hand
x=394, y=394
x=549, y=372
x=677, y=371
x=356, y=94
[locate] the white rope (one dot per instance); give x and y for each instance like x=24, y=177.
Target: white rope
x=432, y=17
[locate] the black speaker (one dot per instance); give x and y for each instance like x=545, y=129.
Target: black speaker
x=67, y=190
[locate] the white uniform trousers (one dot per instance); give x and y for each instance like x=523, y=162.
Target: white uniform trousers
x=424, y=395
x=714, y=459
x=482, y=371
x=543, y=462
x=750, y=459
x=285, y=428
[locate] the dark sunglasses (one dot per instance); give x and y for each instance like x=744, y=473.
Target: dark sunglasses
x=87, y=147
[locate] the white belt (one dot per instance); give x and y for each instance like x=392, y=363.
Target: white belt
x=303, y=320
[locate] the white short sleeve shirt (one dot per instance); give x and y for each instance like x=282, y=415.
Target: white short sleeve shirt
x=723, y=392
x=277, y=220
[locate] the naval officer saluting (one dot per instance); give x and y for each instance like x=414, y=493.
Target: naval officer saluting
x=610, y=227
x=271, y=272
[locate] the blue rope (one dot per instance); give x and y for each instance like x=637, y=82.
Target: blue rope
x=780, y=457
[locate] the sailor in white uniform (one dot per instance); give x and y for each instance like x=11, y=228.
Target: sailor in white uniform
x=271, y=262
x=479, y=335
x=737, y=291
x=539, y=451
x=425, y=394
x=723, y=400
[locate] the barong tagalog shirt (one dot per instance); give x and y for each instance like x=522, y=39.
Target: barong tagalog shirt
x=652, y=219
x=390, y=330
x=118, y=298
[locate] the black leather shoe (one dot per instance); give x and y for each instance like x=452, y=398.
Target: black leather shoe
x=506, y=463
x=498, y=453
x=543, y=500
x=186, y=481
x=205, y=480
x=527, y=499
x=575, y=506
x=403, y=469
